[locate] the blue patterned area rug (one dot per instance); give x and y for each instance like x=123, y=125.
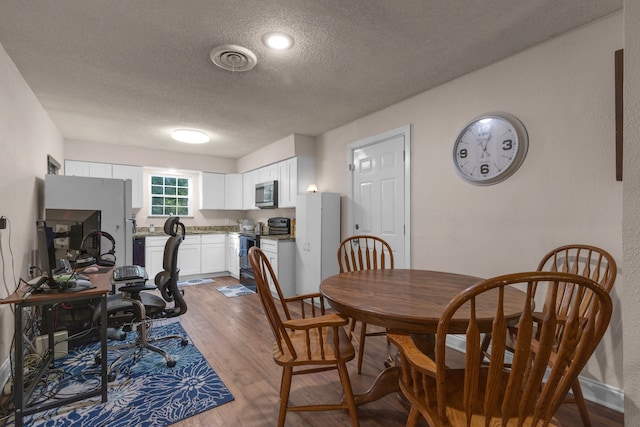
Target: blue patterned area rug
x=238, y=290
x=145, y=392
x=195, y=282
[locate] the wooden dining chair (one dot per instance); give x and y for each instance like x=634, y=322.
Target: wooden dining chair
x=357, y=253
x=588, y=261
x=316, y=342
x=482, y=394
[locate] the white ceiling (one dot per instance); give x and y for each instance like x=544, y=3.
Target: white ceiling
x=129, y=72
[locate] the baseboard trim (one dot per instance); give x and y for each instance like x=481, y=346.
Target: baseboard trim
x=594, y=391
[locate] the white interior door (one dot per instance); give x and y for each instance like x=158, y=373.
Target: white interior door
x=380, y=191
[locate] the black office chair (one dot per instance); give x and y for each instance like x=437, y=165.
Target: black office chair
x=133, y=305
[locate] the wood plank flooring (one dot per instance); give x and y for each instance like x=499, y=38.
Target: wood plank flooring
x=233, y=335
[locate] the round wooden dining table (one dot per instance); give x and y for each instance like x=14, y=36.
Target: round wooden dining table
x=411, y=301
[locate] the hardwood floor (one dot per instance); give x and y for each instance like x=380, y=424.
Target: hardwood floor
x=233, y=335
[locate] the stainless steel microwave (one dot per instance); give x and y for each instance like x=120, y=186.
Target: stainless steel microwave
x=267, y=194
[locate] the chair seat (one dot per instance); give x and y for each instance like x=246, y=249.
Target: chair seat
x=311, y=352
x=455, y=408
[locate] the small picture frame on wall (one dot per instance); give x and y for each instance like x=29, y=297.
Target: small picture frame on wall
x=619, y=74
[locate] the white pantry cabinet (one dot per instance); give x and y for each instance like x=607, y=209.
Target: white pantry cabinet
x=317, y=239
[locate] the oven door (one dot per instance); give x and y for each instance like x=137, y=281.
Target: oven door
x=246, y=272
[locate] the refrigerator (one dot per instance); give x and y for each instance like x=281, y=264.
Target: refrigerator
x=317, y=239
x=111, y=196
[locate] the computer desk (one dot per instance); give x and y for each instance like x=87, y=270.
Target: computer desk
x=48, y=301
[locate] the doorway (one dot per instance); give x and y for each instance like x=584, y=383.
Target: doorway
x=379, y=187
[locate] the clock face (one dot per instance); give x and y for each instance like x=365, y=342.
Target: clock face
x=490, y=148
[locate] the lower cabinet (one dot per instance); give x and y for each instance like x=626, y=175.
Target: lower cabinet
x=232, y=260
x=281, y=255
x=189, y=255
x=213, y=253
x=198, y=254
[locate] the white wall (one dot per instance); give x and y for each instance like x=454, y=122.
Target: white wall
x=565, y=192
x=27, y=135
x=631, y=221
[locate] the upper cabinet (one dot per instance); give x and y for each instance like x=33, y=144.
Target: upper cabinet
x=212, y=191
x=108, y=170
x=268, y=173
x=250, y=179
x=294, y=176
x=233, y=191
x=92, y=169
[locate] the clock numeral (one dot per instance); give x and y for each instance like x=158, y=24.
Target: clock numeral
x=463, y=153
x=484, y=169
x=507, y=144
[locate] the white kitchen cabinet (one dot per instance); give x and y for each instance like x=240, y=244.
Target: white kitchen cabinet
x=281, y=255
x=233, y=191
x=213, y=253
x=250, y=179
x=267, y=173
x=294, y=176
x=317, y=239
x=154, y=255
x=189, y=255
x=91, y=169
x=212, y=191
x=232, y=260
x=134, y=173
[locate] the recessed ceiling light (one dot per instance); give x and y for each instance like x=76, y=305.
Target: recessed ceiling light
x=278, y=41
x=190, y=136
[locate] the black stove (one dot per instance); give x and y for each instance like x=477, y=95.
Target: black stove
x=278, y=226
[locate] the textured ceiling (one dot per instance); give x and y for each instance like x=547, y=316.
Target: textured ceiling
x=128, y=72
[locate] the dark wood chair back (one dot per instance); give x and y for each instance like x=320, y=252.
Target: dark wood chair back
x=364, y=252
x=496, y=393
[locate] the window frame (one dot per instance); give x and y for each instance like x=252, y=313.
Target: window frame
x=169, y=209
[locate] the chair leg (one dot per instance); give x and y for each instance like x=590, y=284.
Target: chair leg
x=348, y=394
x=287, y=373
x=363, y=336
x=414, y=414
x=579, y=400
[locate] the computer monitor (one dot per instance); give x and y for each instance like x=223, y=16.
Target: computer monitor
x=70, y=226
x=46, y=250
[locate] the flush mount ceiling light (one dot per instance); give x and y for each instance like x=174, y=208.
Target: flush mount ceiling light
x=233, y=58
x=190, y=136
x=278, y=41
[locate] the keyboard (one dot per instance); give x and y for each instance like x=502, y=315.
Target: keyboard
x=129, y=272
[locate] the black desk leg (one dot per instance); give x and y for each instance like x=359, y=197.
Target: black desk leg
x=18, y=387
x=103, y=344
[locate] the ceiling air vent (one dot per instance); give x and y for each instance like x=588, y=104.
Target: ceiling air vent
x=233, y=58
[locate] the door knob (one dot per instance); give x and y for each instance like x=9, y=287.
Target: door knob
x=357, y=227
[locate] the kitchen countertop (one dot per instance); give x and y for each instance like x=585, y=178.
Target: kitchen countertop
x=215, y=229
x=219, y=229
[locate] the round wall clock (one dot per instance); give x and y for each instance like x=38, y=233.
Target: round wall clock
x=490, y=148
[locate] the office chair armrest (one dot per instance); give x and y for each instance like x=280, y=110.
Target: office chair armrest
x=329, y=320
